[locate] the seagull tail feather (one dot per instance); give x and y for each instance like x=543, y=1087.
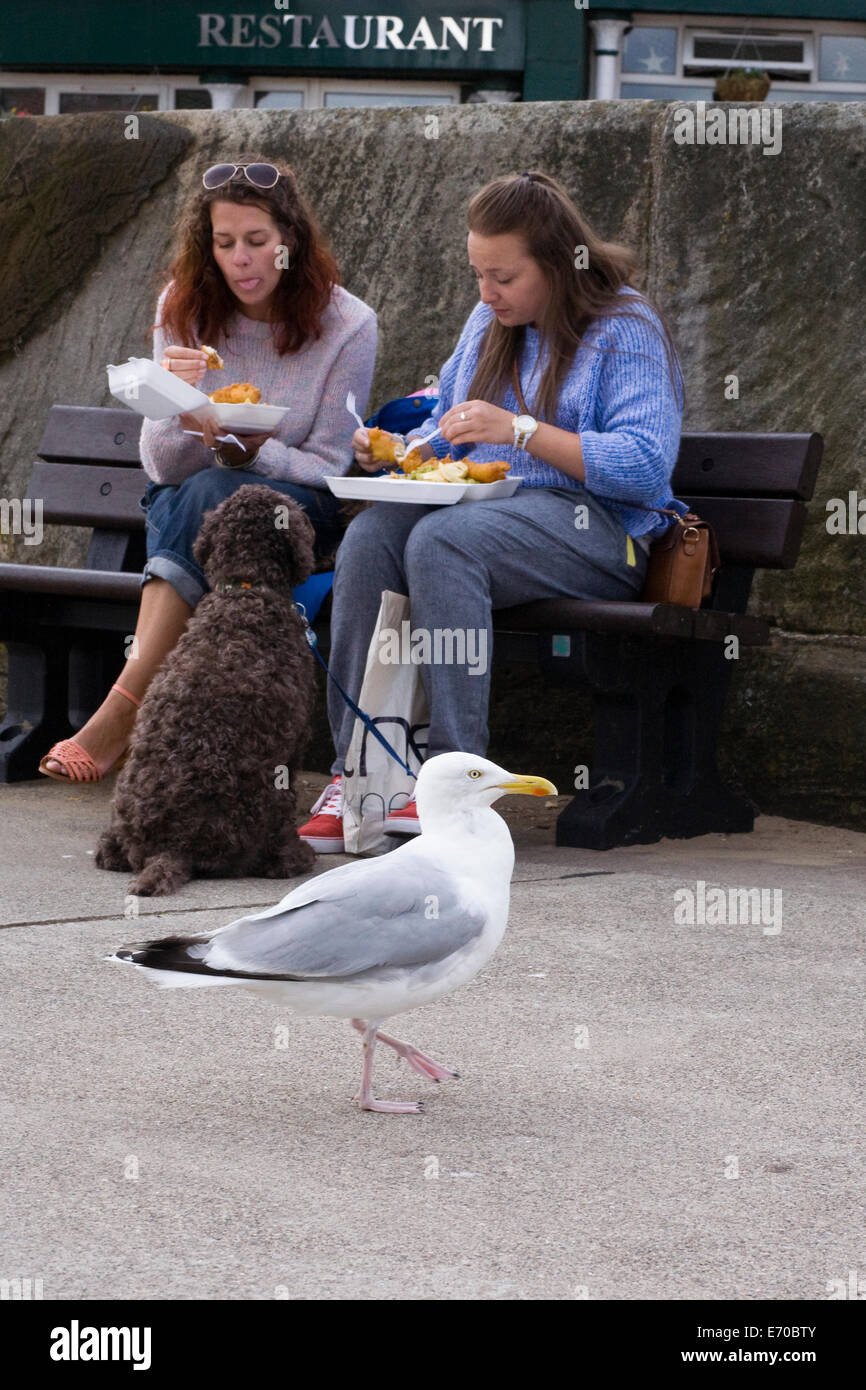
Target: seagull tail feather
x=180, y=953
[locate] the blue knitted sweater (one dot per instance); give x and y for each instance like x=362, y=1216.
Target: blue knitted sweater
x=620, y=403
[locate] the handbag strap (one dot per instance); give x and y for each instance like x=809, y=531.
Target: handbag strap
x=524, y=409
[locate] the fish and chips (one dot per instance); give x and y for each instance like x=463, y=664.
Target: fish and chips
x=385, y=448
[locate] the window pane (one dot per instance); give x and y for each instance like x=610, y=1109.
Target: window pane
x=666, y=91
x=749, y=50
x=274, y=101
x=809, y=94
x=843, y=59
x=71, y=103
x=383, y=99
x=29, y=99
x=650, y=50
x=192, y=99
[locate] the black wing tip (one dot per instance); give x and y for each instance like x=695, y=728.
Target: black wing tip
x=170, y=953
x=167, y=953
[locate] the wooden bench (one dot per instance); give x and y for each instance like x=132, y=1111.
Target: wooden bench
x=659, y=673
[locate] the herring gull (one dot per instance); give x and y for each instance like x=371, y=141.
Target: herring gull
x=378, y=936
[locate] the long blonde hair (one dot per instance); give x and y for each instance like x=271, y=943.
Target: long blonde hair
x=537, y=208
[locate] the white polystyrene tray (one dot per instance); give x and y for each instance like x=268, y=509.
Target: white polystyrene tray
x=425, y=494
x=249, y=419
x=152, y=391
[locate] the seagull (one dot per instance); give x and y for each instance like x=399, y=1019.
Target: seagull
x=379, y=936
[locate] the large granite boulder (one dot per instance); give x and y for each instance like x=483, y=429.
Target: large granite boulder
x=757, y=259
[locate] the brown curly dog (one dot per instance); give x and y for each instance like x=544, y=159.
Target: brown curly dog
x=206, y=790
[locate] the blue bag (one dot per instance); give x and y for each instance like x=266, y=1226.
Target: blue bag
x=405, y=413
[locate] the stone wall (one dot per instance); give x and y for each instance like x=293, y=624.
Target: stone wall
x=758, y=259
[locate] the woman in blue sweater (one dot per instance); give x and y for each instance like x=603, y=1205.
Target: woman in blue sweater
x=595, y=447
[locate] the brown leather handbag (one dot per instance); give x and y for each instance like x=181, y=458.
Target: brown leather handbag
x=681, y=562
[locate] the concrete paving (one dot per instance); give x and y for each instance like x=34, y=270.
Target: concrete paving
x=648, y=1109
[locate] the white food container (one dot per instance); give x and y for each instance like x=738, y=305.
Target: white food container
x=152, y=391
x=249, y=419
x=423, y=494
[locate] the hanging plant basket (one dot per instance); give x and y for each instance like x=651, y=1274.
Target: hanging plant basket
x=745, y=84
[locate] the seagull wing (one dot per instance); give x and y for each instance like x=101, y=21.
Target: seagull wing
x=402, y=913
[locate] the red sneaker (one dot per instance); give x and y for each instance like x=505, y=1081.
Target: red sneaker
x=324, y=833
x=403, y=822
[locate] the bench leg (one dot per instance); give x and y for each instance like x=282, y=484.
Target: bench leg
x=94, y=664
x=658, y=708
x=53, y=691
x=37, y=708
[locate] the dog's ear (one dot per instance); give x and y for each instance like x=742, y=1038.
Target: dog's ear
x=203, y=545
x=295, y=526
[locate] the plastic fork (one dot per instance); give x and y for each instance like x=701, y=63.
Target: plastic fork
x=417, y=442
x=350, y=406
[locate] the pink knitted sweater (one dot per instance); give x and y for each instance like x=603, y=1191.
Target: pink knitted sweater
x=314, y=438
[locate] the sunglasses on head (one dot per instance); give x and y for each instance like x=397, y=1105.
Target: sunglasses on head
x=259, y=175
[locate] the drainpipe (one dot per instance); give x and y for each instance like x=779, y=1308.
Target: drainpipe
x=607, y=38
x=228, y=89
x=224, y=95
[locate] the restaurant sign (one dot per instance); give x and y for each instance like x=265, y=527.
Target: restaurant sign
x=369, y=31
x=413, y=35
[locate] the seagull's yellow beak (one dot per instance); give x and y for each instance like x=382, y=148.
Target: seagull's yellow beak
x=529, y=786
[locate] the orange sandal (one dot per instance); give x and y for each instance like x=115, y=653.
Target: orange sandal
x=77, y=760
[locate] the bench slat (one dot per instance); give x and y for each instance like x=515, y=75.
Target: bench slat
x=714, y=464
x=100, y=434
x=573, y=615
x=752, y=531
x=638, y=619
x=759, y=531
x=713, y=626
x=76, y=494
x=70, y=583
x=748, y=465
x=544, y=615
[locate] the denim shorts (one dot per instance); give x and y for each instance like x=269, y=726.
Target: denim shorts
x=174, y=514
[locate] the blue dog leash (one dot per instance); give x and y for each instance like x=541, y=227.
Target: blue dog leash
x=313, y=643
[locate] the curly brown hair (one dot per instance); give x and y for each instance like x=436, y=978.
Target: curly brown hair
x=538, y=208
x=199, y=303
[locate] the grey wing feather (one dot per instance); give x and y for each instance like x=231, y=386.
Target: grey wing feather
x=375, y=920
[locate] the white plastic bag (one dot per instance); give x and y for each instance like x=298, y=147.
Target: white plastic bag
x=374, y=783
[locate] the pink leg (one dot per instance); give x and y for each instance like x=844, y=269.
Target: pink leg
x=425, y=1066
x=365, y=1098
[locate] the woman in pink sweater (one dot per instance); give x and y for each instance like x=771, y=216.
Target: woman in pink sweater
x=253, y=278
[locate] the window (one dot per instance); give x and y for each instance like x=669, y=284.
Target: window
x=192, y=99
x=674, y=58
x=63, y=94
x=278, y=100
x=20, y=99
x=314, y=92
x=779, y=55
x=53, y=94
x=383, y=99
x=842, y=58
x=73, y=102
x=650, y=50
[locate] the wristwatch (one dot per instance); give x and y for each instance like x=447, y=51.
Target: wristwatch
x=245, y=463
x=524, y=429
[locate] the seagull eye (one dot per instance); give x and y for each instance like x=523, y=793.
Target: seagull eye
x=474, y=773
